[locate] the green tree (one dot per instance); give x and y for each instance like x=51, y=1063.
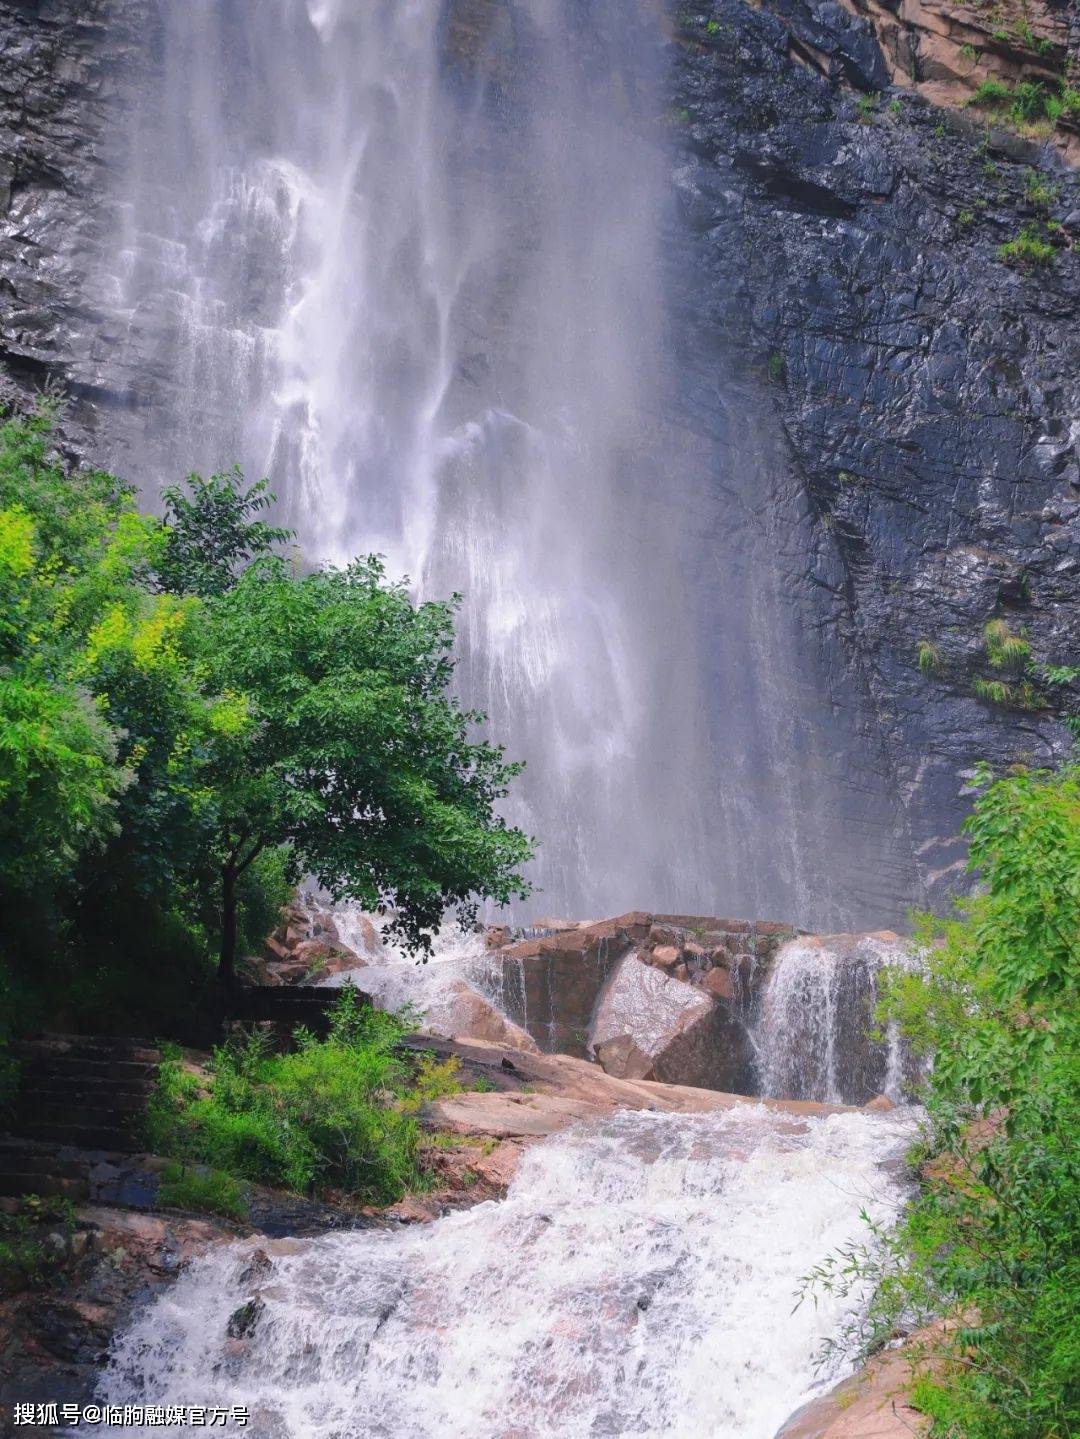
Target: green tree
x=190, y=724
x=992, y=1241
x=70, y=546
x=213, y=531
x=339, y=741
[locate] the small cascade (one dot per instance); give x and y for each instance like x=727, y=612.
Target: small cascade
x=639, y=1280
x=431, y=986
x=815, y=1030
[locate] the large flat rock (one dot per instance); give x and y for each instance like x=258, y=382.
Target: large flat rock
x=552, y=1091
x=870, y=1405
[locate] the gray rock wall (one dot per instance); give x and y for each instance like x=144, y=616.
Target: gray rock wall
x=68, y=71
x=845, y=259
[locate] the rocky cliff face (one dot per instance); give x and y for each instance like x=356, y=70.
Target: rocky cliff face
x=836, y=266
x=848, y=246
x=68, y=71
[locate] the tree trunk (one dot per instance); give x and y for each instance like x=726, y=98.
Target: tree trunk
x=227, y=960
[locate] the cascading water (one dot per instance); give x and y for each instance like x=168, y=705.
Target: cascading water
x=394, y=978
x=409, y=258
x=639, y=1280
x=815, y=1030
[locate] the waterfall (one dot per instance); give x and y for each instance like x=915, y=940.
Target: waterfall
x=816, y=1031
x=413, y=259
x=639, y=1280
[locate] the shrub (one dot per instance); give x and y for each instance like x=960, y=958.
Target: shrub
x=991, y=94
x=336, y=1113
x=994, y=692
x=1039, y=191
x=1028, y=251
x=992, y=1242
x=1004, y=649
x=1026, y=103
x=930, y=657
x=205, y=1190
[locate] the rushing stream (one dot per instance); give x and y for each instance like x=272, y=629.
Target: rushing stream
x=640, y=1279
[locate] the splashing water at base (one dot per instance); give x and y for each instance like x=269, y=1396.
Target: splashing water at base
x=816, y=1034
x=431, y=987
x=640, y=1279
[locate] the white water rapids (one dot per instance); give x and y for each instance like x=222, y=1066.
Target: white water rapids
x=639, y=1280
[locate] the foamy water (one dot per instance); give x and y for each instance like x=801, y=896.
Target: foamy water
x=639, y=1280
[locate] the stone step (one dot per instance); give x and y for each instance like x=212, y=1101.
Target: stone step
x=57, y=1054
x=24, y=1156
x=87, y=1047
x=73, y=1067
x=82, y=1136
x=13, y=1184
x=90, y=1090
x=108, y=1115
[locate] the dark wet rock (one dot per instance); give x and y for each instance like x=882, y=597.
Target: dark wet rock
x=842, y=273
x=245, y=1320
x=257, y=1268
x=55, y=1334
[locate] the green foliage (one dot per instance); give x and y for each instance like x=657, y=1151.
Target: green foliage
x=991, y=94
x=1058, y=674
x=1028, y=251
x=1004, y=649
x=208, y=1191
x=992, y=1242
x=931, y=660
x=342, y=744
x=1039, y=191
x=866, y=107
x=994, y=692
x=1028, y=103
x=187, y=723
x=334, y=1114
x=70, y=547
x=25, y=1257
x=212, y=532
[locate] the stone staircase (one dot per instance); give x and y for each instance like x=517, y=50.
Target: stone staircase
x=85, y=1091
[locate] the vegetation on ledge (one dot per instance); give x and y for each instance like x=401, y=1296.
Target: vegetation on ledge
x=992, y=1242
x=335, y=1115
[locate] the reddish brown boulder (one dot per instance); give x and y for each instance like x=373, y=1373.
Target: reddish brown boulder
x=681, y=1033
x=470, y=1016
x=323, y=958
x=719, y=983
x=550, y=985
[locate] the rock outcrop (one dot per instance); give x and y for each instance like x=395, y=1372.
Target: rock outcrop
x=469, y=1015
x=307, y=947
x=842, y=297
x=650, y=996
x=873, y=1404
x=649, y=1025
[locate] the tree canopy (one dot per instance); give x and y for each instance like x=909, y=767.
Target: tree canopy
x=190, y=720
